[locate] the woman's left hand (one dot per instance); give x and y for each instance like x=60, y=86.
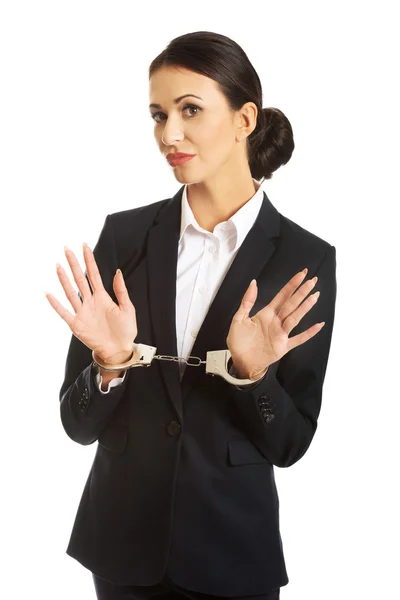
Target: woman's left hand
x=258, y=341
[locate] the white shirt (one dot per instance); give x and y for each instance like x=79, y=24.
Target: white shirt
x=204, y=258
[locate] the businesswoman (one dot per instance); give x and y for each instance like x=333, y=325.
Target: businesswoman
x=181, y=499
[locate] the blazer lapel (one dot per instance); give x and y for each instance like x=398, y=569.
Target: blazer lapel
x=251, y=259
x=162, y=255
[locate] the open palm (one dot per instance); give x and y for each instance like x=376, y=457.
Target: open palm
x=258, y=341
x=102, y=325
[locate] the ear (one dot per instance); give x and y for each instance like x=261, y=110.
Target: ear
x=246, y=120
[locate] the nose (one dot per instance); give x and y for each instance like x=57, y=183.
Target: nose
x=172, y=132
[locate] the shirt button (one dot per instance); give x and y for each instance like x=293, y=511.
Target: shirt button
x=202, y=289
x=173, y=428
x=194, y=333
x=211, y=249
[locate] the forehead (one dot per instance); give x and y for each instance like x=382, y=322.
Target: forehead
x=168, y=83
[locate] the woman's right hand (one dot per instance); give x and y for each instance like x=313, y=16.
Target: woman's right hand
x=103, y=326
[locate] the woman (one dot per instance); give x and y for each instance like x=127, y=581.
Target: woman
x=181, y=498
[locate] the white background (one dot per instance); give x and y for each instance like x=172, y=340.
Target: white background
x=76, y=143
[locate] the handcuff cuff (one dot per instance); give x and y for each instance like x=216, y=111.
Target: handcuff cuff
x=216, y=362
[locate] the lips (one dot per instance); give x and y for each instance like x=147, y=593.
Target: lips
x=179, y=158
x=176, y=155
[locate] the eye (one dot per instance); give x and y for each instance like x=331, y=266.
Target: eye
x=155, y=115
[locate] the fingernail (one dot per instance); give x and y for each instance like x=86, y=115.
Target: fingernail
x=66, y=248
x=305, y=271
x=253, y=281
x=58, y=266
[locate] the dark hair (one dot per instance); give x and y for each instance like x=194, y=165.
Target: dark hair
x=218, y=57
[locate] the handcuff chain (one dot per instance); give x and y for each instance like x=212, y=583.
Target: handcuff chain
x=216, y=362
x=180, y=359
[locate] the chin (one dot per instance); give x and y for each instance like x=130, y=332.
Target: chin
x=184, y=177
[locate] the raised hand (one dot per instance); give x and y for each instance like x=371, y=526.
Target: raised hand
x=103, y=326
x=257, y=342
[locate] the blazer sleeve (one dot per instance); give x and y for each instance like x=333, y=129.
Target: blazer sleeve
x=280, y=412
x=85, y=410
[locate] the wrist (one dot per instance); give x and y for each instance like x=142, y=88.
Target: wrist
x=260, y=374
x=115, y=359
x=243, y=374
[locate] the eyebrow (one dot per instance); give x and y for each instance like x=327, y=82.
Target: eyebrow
x=176, y=100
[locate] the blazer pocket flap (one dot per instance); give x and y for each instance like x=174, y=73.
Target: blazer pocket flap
x=114, y=438
x=243, y=452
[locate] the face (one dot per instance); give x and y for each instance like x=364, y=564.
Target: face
x=200, y=123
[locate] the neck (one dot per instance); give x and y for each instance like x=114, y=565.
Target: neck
x=215, y=201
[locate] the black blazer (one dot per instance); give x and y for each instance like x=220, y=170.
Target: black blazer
x=183, y=476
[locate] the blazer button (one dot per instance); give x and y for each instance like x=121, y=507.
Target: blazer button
x=173, y=428
x=269, y=418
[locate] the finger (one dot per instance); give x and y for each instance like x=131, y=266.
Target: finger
x=92, y=269
x=78, y=274
x=247, y=303
x=69, y=290
x=59, y=308
x=297, y=298
x=285, y=293
x=295, y=317
x=299, y=339
x=121, y=291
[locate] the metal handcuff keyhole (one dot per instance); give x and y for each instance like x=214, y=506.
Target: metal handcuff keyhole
x=216, y=362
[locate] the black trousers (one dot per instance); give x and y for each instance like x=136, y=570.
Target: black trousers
x=166, y=590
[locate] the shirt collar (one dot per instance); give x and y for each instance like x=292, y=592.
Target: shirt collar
x=239, y=224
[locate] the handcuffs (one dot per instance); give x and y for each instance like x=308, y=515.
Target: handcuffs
x=216, y=362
